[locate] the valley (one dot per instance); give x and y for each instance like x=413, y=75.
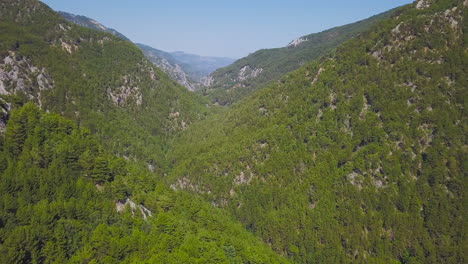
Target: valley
x=346, y=146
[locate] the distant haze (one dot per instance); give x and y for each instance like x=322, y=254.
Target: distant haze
x=222, y=28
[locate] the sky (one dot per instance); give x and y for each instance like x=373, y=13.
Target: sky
x=223, y=28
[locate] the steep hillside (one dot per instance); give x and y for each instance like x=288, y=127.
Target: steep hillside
x=63, y=199
x=164, y=61
x=230, y=84
x=188, y=70
x=100, y=81
x=90, y=23
x=357, y=158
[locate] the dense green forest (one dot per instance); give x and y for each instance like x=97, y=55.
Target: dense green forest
x=234, y=82
x=58, y=194
x=357, y=156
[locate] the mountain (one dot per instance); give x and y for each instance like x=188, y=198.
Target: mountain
x=94, y=78
x=90, y=23
x=86, y=120
x=188, y=70
x=358, y=157
x=230, y=84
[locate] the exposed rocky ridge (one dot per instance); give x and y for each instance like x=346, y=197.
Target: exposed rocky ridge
x=19, y=75
x=247, y=73
x=297, y=42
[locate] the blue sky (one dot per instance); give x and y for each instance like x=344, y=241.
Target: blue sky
x=229, y=28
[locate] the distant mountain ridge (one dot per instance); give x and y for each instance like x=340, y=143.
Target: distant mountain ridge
x=91, y=23
x=204, y=64
x=189, y=70
x=230, y=84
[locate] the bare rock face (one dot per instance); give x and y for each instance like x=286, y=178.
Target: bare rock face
x=422, y=4
x=173, y=70
x=247, y=72
x=67, y=46
x=18, y=74
x=128, y=92
x=296, y=42
x=207, y=81
x=121, y=206
x=181, y=77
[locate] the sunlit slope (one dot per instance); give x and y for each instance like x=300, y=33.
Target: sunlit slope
x=359, y=158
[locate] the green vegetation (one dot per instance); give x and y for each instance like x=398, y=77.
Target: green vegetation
x=102, y=82
x=52, y=212
x=227, y=88
x=357, y=158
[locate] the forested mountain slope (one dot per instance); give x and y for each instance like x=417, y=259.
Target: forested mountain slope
x=64, y=199
x=357, y=158
x=232, y=83
x=100, y=81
